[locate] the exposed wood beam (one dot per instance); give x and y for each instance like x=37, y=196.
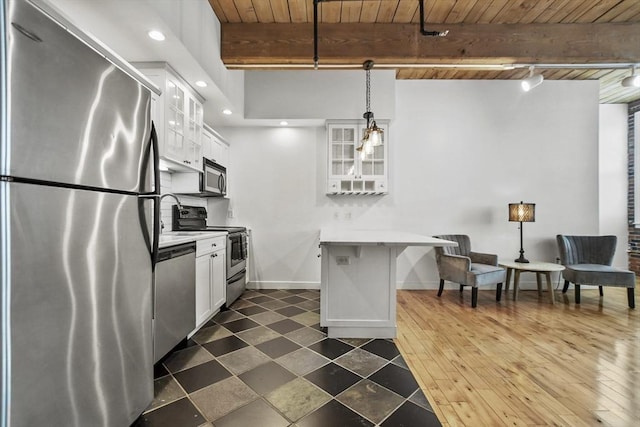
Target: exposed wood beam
x=256, y=44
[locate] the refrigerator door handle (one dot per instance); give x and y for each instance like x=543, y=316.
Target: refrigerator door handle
x=155, y=195
x=156, y=200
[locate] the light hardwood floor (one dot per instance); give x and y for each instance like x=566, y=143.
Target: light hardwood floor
x=525, y=362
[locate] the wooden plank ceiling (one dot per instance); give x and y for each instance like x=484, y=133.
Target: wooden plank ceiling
x=579, y=39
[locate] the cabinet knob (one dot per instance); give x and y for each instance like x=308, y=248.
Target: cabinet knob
x=213, y=245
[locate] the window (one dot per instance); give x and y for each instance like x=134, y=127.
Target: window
x=636, y=167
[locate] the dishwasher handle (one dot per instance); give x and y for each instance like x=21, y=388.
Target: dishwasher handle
x=176, y=251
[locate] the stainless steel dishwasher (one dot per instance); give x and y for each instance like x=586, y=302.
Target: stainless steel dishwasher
x=174, y=297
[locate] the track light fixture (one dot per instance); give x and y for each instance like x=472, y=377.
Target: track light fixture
x=633, y=80
x=532, y=81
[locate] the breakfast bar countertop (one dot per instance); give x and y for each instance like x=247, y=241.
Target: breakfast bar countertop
x=379, y=237
x=358, y=280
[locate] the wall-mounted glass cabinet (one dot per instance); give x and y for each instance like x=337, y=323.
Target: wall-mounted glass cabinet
x=351, y=171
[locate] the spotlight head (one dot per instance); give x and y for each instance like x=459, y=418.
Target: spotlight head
x=531, y=82
x=631, y=81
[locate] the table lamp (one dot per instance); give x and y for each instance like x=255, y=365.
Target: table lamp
x=522, y=212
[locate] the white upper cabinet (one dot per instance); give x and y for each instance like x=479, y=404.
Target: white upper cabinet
x=351, y=171
x=178, y=118
x=194, y=132
x=214, y=147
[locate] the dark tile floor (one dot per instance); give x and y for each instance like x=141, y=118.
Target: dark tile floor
x=266, y=362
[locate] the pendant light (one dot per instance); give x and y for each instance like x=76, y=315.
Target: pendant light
x=373, y=135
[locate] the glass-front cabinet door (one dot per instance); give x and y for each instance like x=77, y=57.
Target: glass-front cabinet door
x=194, y=134
x=174, y=144
x=373, y=165
x=351, y=171
x=342, y=141
x=177, y=114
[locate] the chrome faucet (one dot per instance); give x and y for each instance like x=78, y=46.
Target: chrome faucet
x=174, y=196
x=177, y=203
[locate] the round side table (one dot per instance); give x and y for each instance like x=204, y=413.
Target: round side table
x=537, y=267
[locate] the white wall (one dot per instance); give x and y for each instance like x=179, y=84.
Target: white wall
x=614, y=180
x=276, y=192
x=318, y=94
x=460, y=152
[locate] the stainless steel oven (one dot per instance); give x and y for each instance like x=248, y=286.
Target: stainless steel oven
x=237, y=253
x=194, y=218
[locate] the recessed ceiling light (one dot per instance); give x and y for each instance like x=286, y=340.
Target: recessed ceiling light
x=156, y=35
x=226, y=112
x=284, y=123
x=201, y=83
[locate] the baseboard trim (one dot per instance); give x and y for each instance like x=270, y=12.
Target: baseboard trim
x=417, y=286
x=282, y=285
x=409, y=286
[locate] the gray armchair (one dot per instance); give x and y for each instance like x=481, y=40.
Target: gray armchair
x=587, y=261
x=461, y=265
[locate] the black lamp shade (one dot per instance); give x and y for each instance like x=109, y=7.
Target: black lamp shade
x=522, y=212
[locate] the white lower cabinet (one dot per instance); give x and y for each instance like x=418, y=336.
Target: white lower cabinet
x=218, y=279
x=210, y=278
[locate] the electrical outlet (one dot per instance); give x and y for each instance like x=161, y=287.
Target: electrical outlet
x=230, y=213
x=347, y=216
x=343, y=260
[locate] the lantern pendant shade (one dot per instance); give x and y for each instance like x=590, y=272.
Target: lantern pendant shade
x=375, y=134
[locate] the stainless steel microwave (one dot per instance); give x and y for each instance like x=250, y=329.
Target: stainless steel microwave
x=211, y=182
x=214, y=178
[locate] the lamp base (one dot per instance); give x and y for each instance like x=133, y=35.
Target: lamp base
x=522, y=260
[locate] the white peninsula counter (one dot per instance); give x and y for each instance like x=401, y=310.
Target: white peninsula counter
x=358, y=280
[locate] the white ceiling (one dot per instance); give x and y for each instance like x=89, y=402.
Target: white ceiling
x=122, y=25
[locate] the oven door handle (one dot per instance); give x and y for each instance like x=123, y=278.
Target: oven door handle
x=236, y=278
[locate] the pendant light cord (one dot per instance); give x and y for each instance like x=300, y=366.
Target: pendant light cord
x=315, y=34
x=368, y=88
x=368, y=65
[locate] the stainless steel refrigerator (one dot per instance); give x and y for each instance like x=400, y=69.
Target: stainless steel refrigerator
x=76, y=227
